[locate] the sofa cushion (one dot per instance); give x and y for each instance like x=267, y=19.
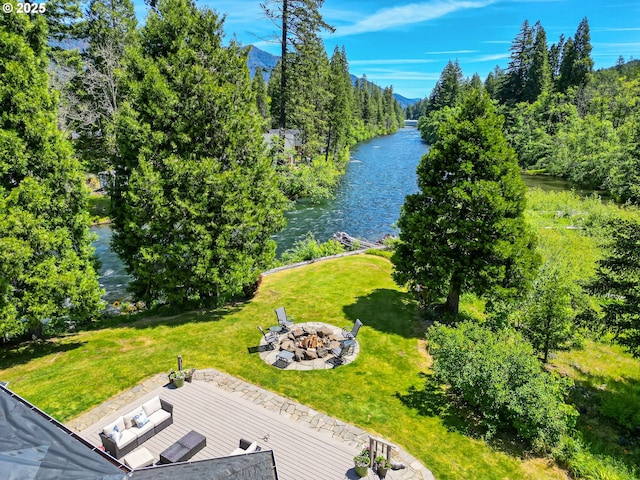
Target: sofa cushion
x=128, y=418
x=140, y=420
x=158, y=417
x=139, y=458
x=127, y=437
x=152, y=406
x=109, y=428
x=115, y=434
x=140, y=431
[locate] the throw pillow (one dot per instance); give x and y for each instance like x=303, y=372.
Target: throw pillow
x=115, y=434
x=141, y=419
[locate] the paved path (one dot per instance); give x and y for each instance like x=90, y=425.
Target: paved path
x=288, y=410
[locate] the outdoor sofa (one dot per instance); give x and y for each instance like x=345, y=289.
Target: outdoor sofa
x=129, y=431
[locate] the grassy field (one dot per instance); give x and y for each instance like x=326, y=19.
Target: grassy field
x=383, y=391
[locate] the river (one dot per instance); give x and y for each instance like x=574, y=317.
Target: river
x=380, y=173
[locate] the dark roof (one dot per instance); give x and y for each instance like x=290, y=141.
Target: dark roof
x=35, y=446
x=252, y=466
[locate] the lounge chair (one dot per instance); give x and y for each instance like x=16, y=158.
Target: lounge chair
x=271, y=338
x=343, y=350
x=351, y=335
x=283, y=320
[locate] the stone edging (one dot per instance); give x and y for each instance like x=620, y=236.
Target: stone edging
x=350, y=434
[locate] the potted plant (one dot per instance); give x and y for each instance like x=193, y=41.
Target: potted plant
x=188, y=374
x=382, y=466
x=177, y=378
x=362, y=462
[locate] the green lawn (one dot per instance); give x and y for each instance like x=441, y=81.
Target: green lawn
x=70, y=375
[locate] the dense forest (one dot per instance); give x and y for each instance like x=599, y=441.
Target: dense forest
x=562, y=118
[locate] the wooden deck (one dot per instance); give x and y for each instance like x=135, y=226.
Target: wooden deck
x=224, y=417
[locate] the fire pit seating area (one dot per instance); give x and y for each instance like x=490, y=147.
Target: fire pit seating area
x=308, y=343
x=131, y=430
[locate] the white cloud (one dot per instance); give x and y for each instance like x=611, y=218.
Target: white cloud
x=407, y=15
x=491, y=58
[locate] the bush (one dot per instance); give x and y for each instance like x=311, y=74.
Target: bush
x=309, y=249
x=379, y=253
x=499, y=376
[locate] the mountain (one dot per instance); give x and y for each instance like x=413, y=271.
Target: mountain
x=405, y=102
x=262, y=60
x=267, y=62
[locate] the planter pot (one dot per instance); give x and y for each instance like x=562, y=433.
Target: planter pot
x=362, y=471
x=382, y=472
x=178, y=382
x=189, y=378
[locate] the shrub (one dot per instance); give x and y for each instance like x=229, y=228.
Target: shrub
x=379, y=253
x=499, y=376
x=310, y=249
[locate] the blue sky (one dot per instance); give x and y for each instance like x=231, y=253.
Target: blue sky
x=407, y=43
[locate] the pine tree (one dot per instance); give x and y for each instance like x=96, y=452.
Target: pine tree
x=447, y=90
x=555, y=58
x=618, y=282
x=539, y=74
x=47, y=271
x=577, y=64
x=340, y=104
x=465, y=229
x=262, y=99
x=195, y=200
x=519, y=66
x=297, y=21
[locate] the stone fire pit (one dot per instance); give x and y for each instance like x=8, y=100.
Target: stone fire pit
x=311, y=344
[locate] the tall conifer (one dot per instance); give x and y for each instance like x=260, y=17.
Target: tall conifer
x=47, y=271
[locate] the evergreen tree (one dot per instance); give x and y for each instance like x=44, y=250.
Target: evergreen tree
x=618, y=282
x=555, y=58
x=340, y=105
x=195, y=200
x=447, y=90
x=47, y=270
x=262, y=98
x=577, y=64
x=494, y=81
x=539, y=74
x=519, y=66
x=465, y=229
x=308, y=93
x=297, y=21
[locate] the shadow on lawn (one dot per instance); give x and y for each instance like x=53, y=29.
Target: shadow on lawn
x=609, y=419
x=25, y=352
x=433, y=401
x=388, y=311
x=169, y=316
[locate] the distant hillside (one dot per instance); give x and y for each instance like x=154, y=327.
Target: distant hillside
x=267, y=62
x=405, y=102
x=262, y=60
